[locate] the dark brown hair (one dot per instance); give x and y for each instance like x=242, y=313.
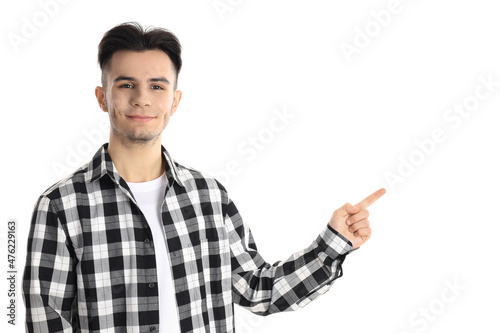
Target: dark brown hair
x=131, y=36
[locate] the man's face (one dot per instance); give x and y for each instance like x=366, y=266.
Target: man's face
x=139, y=96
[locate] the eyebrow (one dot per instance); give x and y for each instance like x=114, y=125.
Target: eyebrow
x=130, y=78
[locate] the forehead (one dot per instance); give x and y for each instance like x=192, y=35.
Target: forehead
x=146, y=63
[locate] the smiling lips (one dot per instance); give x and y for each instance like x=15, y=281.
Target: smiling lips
x=141, y=119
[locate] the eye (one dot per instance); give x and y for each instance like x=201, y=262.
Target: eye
x=126, y=85
x=157, y=87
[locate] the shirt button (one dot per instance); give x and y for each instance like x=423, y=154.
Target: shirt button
x=152, y=329
x=151, y=285
x=147, y=241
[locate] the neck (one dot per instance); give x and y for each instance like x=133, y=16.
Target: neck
x=137, y=163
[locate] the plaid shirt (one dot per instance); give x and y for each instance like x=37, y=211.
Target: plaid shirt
x=91, y=266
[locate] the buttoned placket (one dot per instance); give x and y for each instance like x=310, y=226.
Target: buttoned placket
x=152, y=280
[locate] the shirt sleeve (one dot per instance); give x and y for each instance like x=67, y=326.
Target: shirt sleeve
x=49, y=284
x=286, y=285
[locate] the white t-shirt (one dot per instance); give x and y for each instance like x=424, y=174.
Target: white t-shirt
x=149, y=196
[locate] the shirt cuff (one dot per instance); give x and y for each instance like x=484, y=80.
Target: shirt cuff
x=333, y=243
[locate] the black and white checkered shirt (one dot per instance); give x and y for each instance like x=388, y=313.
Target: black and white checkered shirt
x=91, y=261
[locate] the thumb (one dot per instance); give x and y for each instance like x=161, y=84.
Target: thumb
x=350, y=209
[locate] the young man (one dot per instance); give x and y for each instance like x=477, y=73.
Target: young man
x=135, y=242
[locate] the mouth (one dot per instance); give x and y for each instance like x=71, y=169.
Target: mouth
x=140, y=119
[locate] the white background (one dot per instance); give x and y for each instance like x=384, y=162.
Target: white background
x=353, y=123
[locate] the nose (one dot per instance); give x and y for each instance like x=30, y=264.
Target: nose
x=141, y=97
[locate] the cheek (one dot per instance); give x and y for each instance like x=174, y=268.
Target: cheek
x=166, y=105
x=115, y=102
x=118, y=99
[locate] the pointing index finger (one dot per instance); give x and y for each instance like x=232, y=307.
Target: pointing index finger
x=366, y=202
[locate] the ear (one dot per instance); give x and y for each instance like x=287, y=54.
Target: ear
x=101, y=98
x=177, y=100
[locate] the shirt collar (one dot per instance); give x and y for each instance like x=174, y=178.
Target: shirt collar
x=101, y=164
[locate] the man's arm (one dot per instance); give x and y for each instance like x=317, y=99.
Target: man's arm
x=286, y=285
x=49, y=281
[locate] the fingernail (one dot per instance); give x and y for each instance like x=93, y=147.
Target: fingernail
x=348, y=222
